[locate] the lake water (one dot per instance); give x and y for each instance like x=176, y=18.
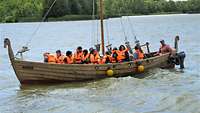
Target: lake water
x=163, y=91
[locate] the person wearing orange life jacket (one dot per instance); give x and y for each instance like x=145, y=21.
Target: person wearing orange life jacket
x=107, y=58
x=78, y=55
x=69, y=58
x=49, y=58
x=123, y=55
x=114, y=55
x=138, y=53
x=59, y=57
x=94, y=57
x=45, y=55
x=85, y=57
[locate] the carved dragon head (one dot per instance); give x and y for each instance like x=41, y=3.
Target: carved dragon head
x=6, y=42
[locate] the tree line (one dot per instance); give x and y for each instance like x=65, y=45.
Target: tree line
x=15, y=10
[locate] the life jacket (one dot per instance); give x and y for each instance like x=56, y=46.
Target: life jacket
x=95, y=59
x=60, y=59
x=51, y=58
x=78, y=57
x=121, y=55
x=140, y=55
x=114, y=56
x=106, y=59
x=85, y=57
x=69, y=60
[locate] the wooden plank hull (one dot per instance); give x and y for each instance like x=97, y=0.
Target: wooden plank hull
x=36, y=72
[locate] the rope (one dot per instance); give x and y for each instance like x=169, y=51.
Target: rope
x=107, y=31
x=37, y=28
x=97, y=32
x=123, y=29
x=132, y=30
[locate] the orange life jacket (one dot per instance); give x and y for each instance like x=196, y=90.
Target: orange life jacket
x=69, y=60
x=114, y=58
x=121, y=55
x=95, y=59
x=78, y=57
x=51, y=58
x=140, y=54
x=60, y=59
x=85, y=57
x=106, y=59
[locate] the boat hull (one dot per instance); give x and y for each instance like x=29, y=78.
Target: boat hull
x=36, y=72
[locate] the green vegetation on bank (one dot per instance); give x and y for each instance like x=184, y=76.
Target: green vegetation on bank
x=34, y=10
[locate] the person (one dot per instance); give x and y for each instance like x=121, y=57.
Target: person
x=49, y=58
x=78, y=55
x=138, y=53
x=45, y=55
x=94, y=57
x=69, y=58
x=123, y=54
x=59, y=57
x=114, y=55
x=85, y=57
x=165, y=48
x=107, y=58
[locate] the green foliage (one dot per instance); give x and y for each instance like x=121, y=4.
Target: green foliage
x=130, y=7
x=33, y=10
x=65, y=7
x=11, y=10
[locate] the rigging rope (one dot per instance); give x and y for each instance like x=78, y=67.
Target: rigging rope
x=107, y=31
x=132, y=30
x=123, y=29
x=97, y=32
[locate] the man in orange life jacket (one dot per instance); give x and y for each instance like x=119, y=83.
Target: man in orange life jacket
x=78, y=55
x=69, y=58
x=85, y=57
x=123, y=54
x=59, y=57
x=138, y=53
x=94, y=57
x=107, y=58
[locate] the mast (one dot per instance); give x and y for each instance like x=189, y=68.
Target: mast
x=102, y=27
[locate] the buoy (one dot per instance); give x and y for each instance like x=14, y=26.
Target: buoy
x=110, y=72
x=141, y=68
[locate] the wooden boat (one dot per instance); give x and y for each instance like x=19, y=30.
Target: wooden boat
x=38, y=72
x=29, y=72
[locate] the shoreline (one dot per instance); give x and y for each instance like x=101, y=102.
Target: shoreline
x=89, y=17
